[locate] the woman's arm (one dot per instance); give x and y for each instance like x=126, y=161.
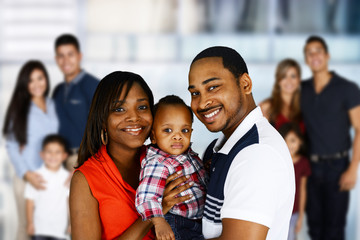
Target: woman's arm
x=17, y=158
x=302, y=203
x=84, y=210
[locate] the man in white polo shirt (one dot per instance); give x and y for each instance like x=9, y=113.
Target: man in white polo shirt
x=252, y=184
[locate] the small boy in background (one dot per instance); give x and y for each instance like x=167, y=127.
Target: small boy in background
x=170, y=152
x=47, y=211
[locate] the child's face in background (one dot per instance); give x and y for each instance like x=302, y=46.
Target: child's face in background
x=53, y=155
x=172, y=128
x=293, y=142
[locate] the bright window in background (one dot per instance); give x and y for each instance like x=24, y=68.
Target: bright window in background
x=28, y=27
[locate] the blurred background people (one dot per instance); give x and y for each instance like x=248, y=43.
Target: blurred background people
x=295, y=141
x=73, y=96
x=284, y=104
x=30, y=117
x=47, y=210
x=331, y=107
x=161, y=43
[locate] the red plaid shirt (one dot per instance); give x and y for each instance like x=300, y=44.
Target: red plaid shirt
x=155, y=169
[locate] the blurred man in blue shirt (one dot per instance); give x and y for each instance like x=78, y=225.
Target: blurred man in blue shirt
x=73, y=96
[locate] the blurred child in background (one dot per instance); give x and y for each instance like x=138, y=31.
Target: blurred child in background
x=47, y=210
x=294, y=139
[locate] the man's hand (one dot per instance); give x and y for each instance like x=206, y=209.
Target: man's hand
x=348, y=179
x=298, y=225
x=30, y=229
x=35, y=179
x=162, y=229
x=172, y=190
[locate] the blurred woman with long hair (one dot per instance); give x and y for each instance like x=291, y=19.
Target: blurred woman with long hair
x=284, y=104
x=29, y=118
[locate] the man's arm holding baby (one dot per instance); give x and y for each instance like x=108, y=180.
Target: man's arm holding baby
x=242, y=230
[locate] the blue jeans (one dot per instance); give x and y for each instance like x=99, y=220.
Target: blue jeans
x=184, y=228
x=326, y=206
x=293, y=221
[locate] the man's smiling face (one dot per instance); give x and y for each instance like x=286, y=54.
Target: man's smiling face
x=217, y=97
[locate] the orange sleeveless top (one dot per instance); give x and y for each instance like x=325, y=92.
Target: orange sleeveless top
x=116, y=197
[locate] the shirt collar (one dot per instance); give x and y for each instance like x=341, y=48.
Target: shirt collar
x=334, y=78
x=254, y=116
x=78, y=77
x=180, y=158
x=47, y=103
x=45, y=169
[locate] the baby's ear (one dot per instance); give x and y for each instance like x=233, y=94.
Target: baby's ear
x=152, y=137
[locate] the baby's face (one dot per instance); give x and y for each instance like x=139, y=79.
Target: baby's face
x=172, y=128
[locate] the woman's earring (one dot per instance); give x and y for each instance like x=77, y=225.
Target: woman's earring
x=104, y=137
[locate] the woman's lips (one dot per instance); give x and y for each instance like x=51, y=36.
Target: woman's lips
x=133, y=130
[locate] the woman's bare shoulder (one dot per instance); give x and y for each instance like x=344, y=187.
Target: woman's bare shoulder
x=265, y=107
x=79, y=185
x=84, y=209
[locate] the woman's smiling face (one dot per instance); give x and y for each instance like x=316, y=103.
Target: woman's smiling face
x=130, y=119
x=37, y=85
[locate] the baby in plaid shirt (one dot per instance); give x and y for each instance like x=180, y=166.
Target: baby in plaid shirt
x=170, y=152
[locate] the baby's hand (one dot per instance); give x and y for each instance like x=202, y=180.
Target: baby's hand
x=162, y=229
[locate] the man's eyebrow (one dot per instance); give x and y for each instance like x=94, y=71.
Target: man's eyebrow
x=204, y=82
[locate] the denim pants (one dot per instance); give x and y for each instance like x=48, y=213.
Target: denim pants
x=326, y=206
x=184, y=228
x=293, y=220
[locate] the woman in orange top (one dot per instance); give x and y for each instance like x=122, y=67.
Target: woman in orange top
x=103, y=188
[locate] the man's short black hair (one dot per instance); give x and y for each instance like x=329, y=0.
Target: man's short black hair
x=65, y=39
x=232, y=60
x=319, y=39
x=172, y=100
x=55, y=138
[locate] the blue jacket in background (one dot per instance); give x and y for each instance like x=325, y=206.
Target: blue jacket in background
x=72, y=101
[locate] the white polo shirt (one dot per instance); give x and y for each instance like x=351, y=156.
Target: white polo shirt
x=252, y=179
x=51, y=204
